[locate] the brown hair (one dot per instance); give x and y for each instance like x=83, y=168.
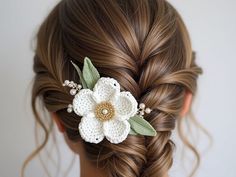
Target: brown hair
x=145, y=46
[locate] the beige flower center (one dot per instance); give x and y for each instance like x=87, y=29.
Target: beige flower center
x=104, y=111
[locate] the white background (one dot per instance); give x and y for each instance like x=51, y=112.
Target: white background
x=212, y=26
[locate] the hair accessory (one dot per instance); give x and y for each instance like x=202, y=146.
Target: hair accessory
x=106, y=111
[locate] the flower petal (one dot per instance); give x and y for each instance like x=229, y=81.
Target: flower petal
x=83, y=102
x=115, y=130
x=125, y=105
x=106, y=88
x=90, y=129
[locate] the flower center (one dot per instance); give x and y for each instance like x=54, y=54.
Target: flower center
x=104, y=111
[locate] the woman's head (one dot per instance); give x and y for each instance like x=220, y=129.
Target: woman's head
x=145, y=46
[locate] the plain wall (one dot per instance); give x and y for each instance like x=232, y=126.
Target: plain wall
x=212, y=27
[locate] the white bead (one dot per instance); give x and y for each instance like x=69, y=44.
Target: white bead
x=67, y=82
x=73, y=91
x=141, y=105
x=104, y=111
x=148, y=110
x=69, y=110
x=79, y=86
x=141, y=113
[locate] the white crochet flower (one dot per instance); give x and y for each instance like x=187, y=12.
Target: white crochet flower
x=105, y=111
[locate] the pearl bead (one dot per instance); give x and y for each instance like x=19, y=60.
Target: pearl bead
x=67, y=82
x=104, y=111
x=141, y=113
x=69, y=110
x=72, y=91
x=141, y=105
x=148, y=110
x=70, y=85
x=79, y=86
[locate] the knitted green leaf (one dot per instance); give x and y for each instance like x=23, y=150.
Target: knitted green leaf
x=132, y=132
x=80, y=75
x=141, y=126
x=90, y=73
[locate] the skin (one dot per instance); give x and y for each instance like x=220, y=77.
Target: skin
x=86, y=168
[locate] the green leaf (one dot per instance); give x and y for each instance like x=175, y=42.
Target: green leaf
x=141, y=126
x=132, y=132
x=80, y=75
x=90, y=73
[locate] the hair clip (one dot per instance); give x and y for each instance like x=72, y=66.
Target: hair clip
x=106, y=111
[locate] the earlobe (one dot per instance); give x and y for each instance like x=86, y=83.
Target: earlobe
x=58, y=122
x=187, y=103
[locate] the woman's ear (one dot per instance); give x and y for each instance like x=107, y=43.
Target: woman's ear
x=58, y=122
x=187, y=103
